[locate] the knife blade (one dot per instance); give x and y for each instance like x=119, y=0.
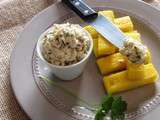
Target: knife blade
x=102, y=24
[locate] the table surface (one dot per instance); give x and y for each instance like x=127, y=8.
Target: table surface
x=13, y=16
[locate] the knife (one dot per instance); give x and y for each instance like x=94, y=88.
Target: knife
x=102, y=24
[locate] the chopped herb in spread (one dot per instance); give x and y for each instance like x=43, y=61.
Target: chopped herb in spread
x=134, y=50
x=65, y=44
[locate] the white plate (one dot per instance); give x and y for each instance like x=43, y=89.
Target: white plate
x=35, y=96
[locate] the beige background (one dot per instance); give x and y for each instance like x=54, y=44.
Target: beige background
x=13, y=16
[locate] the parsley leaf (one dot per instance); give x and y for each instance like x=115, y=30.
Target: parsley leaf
x=115, y=105
x=100, y=114
x=118, y=108
x=107, y=103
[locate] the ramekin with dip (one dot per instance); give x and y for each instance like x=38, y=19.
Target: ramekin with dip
x=65, y=48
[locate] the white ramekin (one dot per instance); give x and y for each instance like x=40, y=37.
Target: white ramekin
x=64, y=72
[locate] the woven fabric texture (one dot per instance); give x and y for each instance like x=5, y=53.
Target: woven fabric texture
x=13, y=16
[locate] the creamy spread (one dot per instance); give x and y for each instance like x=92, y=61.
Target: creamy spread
x=65, y=44
x=134, y=50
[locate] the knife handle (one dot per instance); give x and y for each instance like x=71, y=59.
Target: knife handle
x=81, y=8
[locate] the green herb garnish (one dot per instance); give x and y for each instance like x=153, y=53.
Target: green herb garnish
x=115, y=105
x=100, y=114
x=107, y=103
x=118, y=108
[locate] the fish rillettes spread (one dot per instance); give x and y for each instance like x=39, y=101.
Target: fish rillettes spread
x=134, y=51
x=66, y=44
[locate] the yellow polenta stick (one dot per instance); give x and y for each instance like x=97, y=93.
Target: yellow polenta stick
x=119, y=82
x=124, y=23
